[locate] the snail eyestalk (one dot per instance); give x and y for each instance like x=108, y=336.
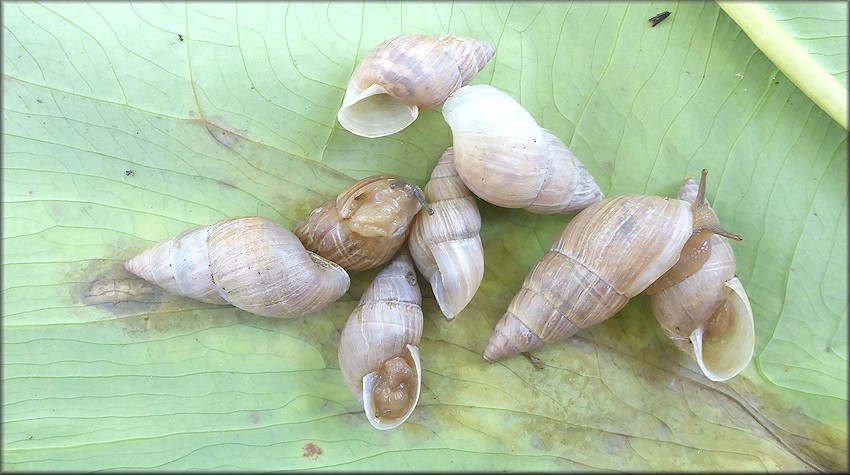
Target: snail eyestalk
x=415, y=191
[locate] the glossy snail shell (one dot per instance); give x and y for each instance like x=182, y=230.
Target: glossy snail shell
x=378, y=347
x=365, y=225
x=610, y=252
x=508, y=160
x=446, y=246
x=406, y=74
x=708, y=314
x=249, y=262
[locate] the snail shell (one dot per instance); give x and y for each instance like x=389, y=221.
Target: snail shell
x=707, y=314
x=378, y=347
x=365, y=225
x=405, y=74
x=446, y=246
x=508, y=160
x=610, y=252
x=249, y=262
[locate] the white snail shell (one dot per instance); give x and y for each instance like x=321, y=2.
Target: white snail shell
x=406, y=74
x=365, y=225
x=446, y=246
x=249, y=262
x=508, y=160
x=708, y=315
x=378, y=347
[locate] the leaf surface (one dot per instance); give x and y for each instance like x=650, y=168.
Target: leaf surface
x=125, y=124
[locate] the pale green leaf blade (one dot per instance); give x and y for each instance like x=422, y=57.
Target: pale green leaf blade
x=222, y=110
x=807, y=40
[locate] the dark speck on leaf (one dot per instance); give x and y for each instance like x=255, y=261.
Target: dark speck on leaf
x=128, y=172
x=180, y=36
x=658, y=18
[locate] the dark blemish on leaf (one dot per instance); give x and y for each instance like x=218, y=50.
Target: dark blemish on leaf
x=39, y=101
x=225, y=184
x=533, y=359
x=658, y=18
x=608, y=167
x=179, y=36
x=254, y=418
x=222, y=132
x=117, y=291
x=128, y=172
x=312, y=450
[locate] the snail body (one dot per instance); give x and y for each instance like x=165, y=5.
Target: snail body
x=406, y=74
x=249, y=262
x=446, y=246
x=707, y=313
x=508, y=160
x=379, y=345
x=365, y=225
x=610, y=252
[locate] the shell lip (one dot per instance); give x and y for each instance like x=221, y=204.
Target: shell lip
x=369, y=382
x=735, y=349
x=372, y=112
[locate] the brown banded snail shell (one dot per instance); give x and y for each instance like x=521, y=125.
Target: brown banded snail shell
x=379, y=345
x=446, y=245
x=365, y=225
x=707, y=313
x=406, y=74
x=610, y=252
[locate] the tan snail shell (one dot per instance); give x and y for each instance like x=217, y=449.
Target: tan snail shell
x=610, y=252
x=365, y=225
x=379, y=345
x=508, y=160
x=249, y=262
x=406, y=74
x=708, y=314
x=446, y=246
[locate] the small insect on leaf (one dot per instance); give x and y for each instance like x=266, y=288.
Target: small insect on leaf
x=128, y=172
x=658, y=18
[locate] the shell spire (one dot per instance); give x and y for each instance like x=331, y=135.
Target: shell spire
x=406, y=74
x=446, y=246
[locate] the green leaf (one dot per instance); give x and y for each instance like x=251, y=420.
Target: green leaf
x=807, y=40
x=125, y=124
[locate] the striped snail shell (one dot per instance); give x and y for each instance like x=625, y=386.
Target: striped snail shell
x=610, y=252
x=707, y=314
x=508, y=160
x=379, y=345
x=406, y=74
x=248, y=262
x=446, y=246
x=365, y=225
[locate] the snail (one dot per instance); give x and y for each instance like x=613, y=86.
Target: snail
x=406, y=74
x=704, y=308
x=610, y=252
x=379, y=345
x=508, y=160
x=446, y=246
x=365, y=225
x=248, y=262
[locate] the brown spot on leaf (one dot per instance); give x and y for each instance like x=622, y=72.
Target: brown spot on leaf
x=608, y=167
x=312, y=450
